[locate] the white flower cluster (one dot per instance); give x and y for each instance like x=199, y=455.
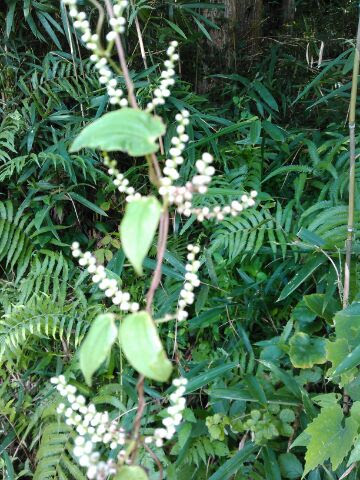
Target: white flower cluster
x=219, y=213
x=120, y=182
x=192, y=281
x=178, y=145
x=174, y=417
x=182, y=196
x=109, y=286
x=92, y=427
x=98, y=56
x=167, y=78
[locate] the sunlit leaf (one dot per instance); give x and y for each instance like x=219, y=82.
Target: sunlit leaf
x=331, y=437
x=127, y=130
x=131, y=473
x=142, y=346
x=138, y=228
x=97, y=344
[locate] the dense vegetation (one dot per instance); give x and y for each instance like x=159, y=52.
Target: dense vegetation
x=270, y=349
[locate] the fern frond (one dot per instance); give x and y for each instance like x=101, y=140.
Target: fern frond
x=42, y=318
x=54, y=457
x=16, y=246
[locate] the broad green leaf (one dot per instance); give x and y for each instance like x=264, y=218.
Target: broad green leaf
x=344, y=352
x=331, y=437
x=290, y=466
x=142, y=347
x=97, y=344
x=326, y=399
x=301, y=276
x=138, y=228
x=306, y=351
x=336, y=352
x=131, y=473
x=350, y=361
x=355, y=453
x=316, y=303
x=126, y=130
x=347, y=324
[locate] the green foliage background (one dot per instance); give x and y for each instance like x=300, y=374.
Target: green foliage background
x=254, y=349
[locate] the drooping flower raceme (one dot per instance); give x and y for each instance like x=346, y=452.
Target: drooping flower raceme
x=191, y=281
x=121, y=183
x=99, y=56
x=94, y=428
x=167, y=78
x=109, y=286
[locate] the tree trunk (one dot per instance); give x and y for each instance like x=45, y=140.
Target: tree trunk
x=288, y=9
x=239, y=28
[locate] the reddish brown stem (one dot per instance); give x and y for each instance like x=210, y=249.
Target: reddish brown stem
x=161, y=247
x=122, y=59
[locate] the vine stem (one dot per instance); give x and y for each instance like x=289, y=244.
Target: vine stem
x=155, y=175
x=161, y=247
x=352, y=145
x=155, y=281
x=122, y=59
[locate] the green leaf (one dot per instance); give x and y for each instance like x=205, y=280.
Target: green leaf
x=301, y=276
x=138, y=228
x=329, y=439
x=265, y=95
x=142, y=347
x=347, y=324
x=306, y=351
x=344, y=351
x=355, y=453
x=316, y=303
x=290, y=466
x=87, y=203
x=97, y=344
x=232, y=465
x=176, y=28
x=275, y=132
x=350, y=361
x=271, y=465
x=131, y=473
x=255, y=131
x=126, y=130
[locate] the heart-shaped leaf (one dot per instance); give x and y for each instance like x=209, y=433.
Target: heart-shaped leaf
x=131, y=473
x=127, y=130
x=138, y=228
x=142, y=346
x=306, y=351
x=97, y=344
